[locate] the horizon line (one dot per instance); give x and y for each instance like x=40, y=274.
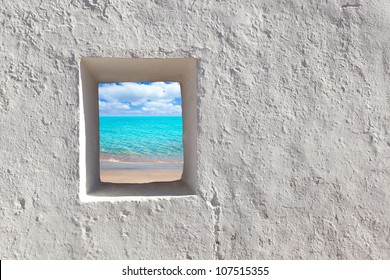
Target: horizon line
x=140, y=115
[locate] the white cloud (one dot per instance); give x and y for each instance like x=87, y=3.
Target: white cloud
x=113, y=107
x=139, y=99
x=161, y=108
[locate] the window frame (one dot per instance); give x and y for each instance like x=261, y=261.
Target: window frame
x=94, y=70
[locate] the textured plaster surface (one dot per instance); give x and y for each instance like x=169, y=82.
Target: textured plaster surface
x=293, y=129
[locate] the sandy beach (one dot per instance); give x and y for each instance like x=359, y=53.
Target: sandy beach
x=139, y=176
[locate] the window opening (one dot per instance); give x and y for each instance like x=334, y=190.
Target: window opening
x=140, y=127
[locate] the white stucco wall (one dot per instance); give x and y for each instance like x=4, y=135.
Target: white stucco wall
x=293, y=129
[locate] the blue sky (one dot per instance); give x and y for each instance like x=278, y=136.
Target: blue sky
x=140, y=99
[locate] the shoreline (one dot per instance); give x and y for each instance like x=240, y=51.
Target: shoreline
x=139, y=165
x=139, y=176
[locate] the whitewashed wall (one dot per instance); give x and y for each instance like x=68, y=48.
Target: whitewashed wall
x=293, y=129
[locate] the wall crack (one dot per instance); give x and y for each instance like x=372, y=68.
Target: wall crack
x=216, y=208
x=350, y=6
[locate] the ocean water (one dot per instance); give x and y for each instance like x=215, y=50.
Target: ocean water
x=141, y=141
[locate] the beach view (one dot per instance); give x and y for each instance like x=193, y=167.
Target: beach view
x=140, y=132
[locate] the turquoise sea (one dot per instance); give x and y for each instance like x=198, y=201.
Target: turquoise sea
x=141, y=141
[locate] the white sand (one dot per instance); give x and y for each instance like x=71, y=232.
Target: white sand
x=139, y=176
